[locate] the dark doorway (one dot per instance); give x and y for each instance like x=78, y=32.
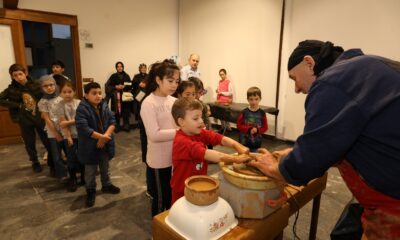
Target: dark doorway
x=45, y=43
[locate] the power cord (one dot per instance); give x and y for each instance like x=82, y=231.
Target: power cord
x=295, y=236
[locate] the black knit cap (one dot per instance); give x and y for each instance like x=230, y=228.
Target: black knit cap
x=323, y=53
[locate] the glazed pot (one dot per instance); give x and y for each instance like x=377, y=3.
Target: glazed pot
x=201, y=190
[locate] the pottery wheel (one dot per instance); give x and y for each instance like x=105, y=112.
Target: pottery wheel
x=247, y=170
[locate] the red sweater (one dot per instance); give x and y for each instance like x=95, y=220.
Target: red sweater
x=188, y=158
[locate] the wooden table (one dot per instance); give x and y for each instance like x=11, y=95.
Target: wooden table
x=230, y=112
x=268, y=228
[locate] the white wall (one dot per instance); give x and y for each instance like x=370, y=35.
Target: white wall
x=240, y=36
x=7, y=55
x=371, y=25
x=131, y=31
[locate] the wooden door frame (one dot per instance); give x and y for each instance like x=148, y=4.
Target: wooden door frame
x=44, y=17
x=18, y=42
x=18, y=45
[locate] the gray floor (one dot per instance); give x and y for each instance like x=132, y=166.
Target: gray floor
x=35, y=206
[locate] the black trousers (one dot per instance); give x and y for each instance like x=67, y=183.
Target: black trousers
x=162, y=193
x=29, y=136
x=125, y=113
x=150, y=177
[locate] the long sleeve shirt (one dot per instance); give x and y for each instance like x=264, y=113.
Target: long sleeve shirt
x=352, y=113
x=160, y=129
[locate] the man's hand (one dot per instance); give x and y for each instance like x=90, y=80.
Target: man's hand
x=282, y=153
x=267, y=164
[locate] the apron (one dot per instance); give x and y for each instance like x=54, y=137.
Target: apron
x=381, y=216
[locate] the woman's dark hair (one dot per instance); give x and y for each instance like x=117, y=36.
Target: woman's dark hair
x=90, y=86
x=222, y=70
x=16, y=67
x=162, y=69
x=119, y=62
x=182, y=87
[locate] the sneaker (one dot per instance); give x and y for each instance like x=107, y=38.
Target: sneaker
x=64, y=180
x=82, y=181
x=126, y=127
x=36, y=167
x=110, y=189
x=117, y=128
x=52, y=172
x=90, y=197
x=72, y=185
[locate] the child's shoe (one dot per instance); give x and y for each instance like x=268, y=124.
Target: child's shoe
x=72, y=184
x=110, y=189
x=90, y=197
x=36, y=167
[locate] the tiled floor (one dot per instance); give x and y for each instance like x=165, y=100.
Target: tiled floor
x=35, y=206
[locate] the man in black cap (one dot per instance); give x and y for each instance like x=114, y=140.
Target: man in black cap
x=352, y=122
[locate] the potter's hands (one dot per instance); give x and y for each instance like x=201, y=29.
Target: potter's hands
x=281, y=153
x=267, y=163
x=240, y=158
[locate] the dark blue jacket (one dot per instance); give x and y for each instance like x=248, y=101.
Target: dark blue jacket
x=87, y=121
x=353, y=113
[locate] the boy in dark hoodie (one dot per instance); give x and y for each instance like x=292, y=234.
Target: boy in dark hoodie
x=21, y=98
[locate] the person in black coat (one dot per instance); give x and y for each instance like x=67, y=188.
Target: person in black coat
x=138, y=84
x=116, y=85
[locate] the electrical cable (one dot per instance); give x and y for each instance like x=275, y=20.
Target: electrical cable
x=295, y=236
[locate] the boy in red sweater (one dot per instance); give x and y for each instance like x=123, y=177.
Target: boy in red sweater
x=189, y=151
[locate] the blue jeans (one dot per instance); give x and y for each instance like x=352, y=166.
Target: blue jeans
x=72, y=155
x=90, y=173
x=59, y=167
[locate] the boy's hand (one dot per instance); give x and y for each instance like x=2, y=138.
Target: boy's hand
x=64, y=124
x=70, y=141
x=241, y=149
x=242, y=158
x=229, y=159
x=106, y=138
x=103, y=140
x=59, y=138
x=100, y=143
x=253, y=131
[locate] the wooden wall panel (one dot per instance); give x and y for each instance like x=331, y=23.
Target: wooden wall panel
x=11, y=133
